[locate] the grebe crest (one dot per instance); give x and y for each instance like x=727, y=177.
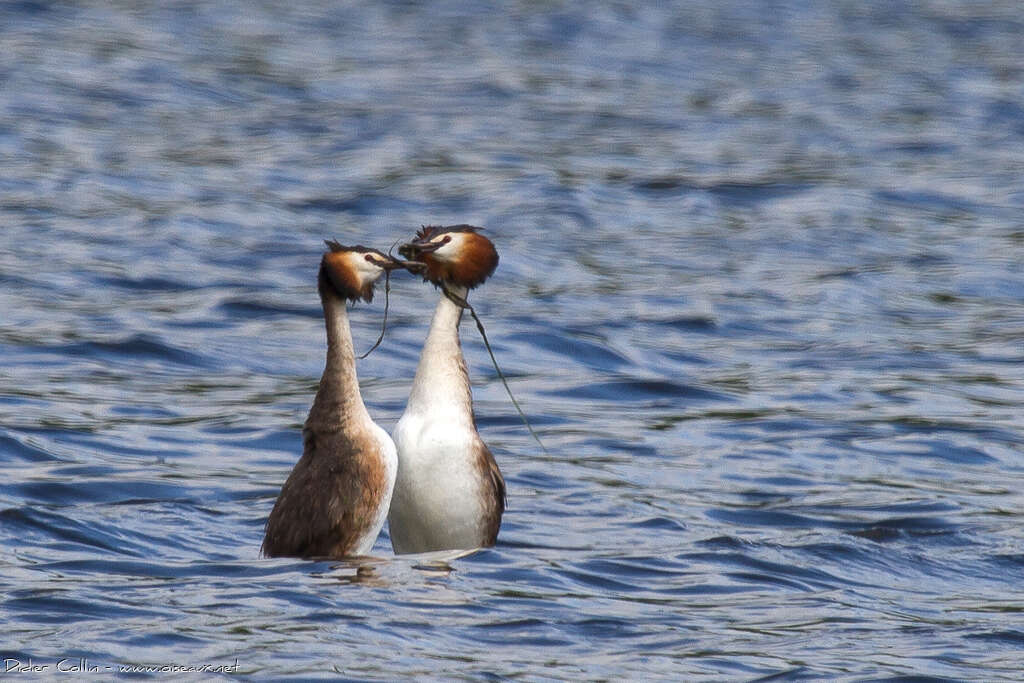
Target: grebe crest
x=455, y=254
x=351, y=272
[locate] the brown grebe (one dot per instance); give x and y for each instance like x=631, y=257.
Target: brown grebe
x=336, y=499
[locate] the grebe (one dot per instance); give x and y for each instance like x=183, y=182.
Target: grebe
x=336, y=499
x=449, y=493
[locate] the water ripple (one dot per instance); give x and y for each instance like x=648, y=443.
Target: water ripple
x=760, y=293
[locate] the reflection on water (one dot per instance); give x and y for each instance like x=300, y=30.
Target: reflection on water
x=760, y=293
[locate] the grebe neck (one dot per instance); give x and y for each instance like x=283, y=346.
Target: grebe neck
x=338, y=399
x=442, y=381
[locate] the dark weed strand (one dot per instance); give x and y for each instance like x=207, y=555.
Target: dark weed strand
x=384, y=325
x=462, y=303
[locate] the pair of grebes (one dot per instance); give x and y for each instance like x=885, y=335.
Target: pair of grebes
x=436, y=483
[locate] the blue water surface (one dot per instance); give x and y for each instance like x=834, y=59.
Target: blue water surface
x=761, y=294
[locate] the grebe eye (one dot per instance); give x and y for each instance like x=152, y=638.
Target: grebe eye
x=367, y=257
x=447, y=239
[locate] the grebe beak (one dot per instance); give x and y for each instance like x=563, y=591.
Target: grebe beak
x=391, y=264
x=386, y=262
x=414, y=267
x=412, y=250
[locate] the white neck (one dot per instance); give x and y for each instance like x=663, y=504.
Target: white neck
x=442, y=382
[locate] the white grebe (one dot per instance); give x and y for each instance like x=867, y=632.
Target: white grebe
x=449, y=493
x=336, y=499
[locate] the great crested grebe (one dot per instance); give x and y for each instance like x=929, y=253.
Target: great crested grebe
x=336, y=499
x=449, y=493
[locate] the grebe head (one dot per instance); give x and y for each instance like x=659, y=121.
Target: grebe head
x=350, y=272
x=454, y=254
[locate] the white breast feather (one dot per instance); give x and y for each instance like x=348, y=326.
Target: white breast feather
x=437, y=493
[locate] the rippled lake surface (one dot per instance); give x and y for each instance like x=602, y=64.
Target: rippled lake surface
x=761, y=294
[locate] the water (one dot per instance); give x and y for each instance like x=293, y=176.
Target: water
x=761, y=293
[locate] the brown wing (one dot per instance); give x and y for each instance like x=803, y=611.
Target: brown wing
x=329, y=500
x=496, y=500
